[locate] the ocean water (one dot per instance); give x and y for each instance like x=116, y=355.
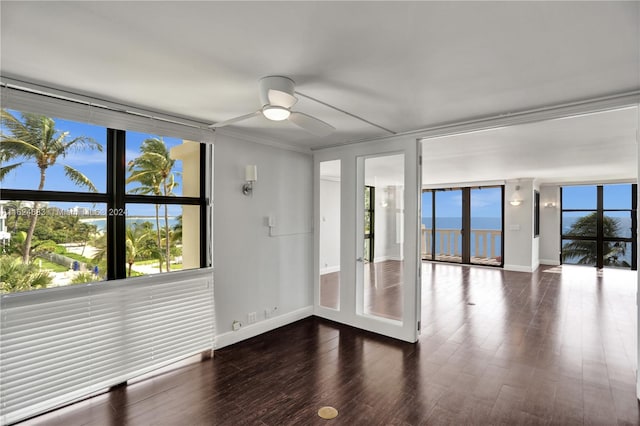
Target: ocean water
x=101, y=223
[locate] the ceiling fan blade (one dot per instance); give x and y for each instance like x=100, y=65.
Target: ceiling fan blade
x=311, y=124
x=280, y=98
x=233, y=120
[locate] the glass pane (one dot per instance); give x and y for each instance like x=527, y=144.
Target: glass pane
x=579, y=197
x=367, y=250
x=382, y=278
x=427, y=223
x=617, y=254
x=449, y=225
x=367, y=223
x=617, y=196
x=66, y=247
x=330, y=234
x=162, y=166
x=583, y=224
x=486, y=226
x=578, y=252
x=617, y=224
x=79, y=167
x=161, y=235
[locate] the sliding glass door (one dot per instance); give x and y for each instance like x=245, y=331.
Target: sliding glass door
x=463, y=225
x=486, y=223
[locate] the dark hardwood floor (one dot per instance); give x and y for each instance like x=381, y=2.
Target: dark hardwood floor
x=554, y=347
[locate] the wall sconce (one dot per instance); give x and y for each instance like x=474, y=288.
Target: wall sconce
x=516, y=199
x=250, y=175
x=550, y=205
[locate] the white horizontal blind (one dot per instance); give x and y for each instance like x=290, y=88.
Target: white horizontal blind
x=103, y=113
x=60, y=344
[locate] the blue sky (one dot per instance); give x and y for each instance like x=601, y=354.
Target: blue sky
x=91, y=163
x=484, y=203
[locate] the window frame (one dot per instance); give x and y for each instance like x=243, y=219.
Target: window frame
x=599, y=239
x=116, y=198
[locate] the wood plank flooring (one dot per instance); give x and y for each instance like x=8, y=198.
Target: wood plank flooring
x=554, y=347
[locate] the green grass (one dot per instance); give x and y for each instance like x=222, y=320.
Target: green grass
x=79, y=258
x=146, y=262
x=50, y=265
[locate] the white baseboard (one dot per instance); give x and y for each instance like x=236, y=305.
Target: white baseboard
x=252, y=330
x=330, y=269
x=549, y=262
x=517, y=268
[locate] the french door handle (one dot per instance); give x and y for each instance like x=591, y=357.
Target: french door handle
x=359, y=259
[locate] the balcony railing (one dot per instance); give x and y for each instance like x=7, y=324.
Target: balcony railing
x=486, y=245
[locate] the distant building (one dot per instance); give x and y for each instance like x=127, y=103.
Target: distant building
x=4, y=235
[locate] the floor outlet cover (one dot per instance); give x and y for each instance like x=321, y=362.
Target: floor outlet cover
x=328, y=413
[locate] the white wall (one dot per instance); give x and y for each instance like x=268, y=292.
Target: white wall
x=519, y=243
x=535, y=242
x=550, y=225
x=255, y=271
x=329, y=225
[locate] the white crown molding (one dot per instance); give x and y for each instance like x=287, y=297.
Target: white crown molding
x=629, y=99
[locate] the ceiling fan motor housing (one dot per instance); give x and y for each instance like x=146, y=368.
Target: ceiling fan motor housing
x=278, y=83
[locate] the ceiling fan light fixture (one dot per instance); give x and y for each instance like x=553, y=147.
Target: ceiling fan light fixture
x=275, y=113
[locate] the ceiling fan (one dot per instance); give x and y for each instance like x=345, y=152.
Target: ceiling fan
x=277, y=95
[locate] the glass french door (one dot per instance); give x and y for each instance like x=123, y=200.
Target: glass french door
x=368, y=272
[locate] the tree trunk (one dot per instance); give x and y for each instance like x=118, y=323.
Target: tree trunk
x=130, y=265
x=158, y=235
x=166, y=231
x=34, y=219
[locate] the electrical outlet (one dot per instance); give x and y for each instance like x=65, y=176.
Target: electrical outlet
x=251, y=317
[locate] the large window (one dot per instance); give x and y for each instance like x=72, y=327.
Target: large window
x=84, y=203
x=598, y=225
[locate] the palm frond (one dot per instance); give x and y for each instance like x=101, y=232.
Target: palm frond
x=6, y=169
x=81, y=143
x=11, y=147
x=79, y=179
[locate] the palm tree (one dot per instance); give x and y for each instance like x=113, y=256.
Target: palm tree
x=136, y=235
x=585, y=251
x=18, y=276
x=153, y=171
x=35, y=138
x=13, y=207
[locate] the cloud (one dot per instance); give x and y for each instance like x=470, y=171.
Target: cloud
x=83, y=158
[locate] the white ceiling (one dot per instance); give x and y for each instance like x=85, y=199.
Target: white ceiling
x=402, y=65
x=589, y=148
